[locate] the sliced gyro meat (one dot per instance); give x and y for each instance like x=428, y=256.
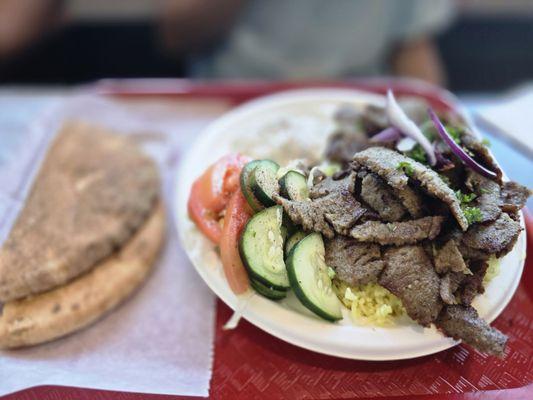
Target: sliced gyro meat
x=497, y=237
x=513, y=197
x=472, y=284
x=488, y=196
x=464, y=323
x=449, y=259
x=380, y=197
x=449, y=285
x=409, y=275
x=398, y=233
x=335, y=213
x=354, y=263
x=396, y=169
x=481, y=153
x=336, y=183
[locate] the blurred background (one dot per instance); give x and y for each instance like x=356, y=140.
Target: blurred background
x=466, y=45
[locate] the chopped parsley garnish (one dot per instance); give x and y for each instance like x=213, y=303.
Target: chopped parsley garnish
x=417, y=154
x=472, y=214
x=465, y=198
x=455, y=133
x=405, y=167
x=486, y=142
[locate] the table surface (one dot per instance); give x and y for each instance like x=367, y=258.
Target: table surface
x=23, y=103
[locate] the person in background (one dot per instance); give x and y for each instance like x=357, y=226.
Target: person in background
x=274, y=39
x=316, y=39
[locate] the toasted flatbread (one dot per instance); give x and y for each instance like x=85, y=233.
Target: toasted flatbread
x=60, y=311
x=93, y=191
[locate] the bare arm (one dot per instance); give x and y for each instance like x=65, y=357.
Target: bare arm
x=191, y=25
x=419, y=58
x=23, y=21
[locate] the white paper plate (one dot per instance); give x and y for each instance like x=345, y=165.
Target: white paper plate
x=305, y=115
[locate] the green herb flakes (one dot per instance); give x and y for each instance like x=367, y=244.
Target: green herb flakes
x=472, y=214
x=465, y=198
x=455, y=133
x=417, y=154
x=405, y=167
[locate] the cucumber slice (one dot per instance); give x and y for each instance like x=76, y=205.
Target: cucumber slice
x=308, y=275
x=263, y=182
x=284, y=233
x=293, y=240
x=245, y=186
x=267, y=291
x=261, y=248
x=293, y=186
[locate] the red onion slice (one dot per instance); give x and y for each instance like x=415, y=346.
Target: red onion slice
x=400, y=120
x=390, y=134
x=458, y=150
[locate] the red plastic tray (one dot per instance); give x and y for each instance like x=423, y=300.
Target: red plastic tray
x=251, y=364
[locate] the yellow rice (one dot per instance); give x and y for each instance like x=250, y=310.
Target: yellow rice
x=372, y=304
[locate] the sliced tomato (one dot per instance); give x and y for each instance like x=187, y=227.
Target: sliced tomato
x=238, y=213
x=211, y=192
x=205, y=219
x=221, y=180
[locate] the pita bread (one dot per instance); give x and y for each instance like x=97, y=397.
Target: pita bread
x=68, y=308
x=92, y=193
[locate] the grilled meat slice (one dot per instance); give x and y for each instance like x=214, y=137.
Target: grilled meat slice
x=469, y=253
x=497, y=237
x=449, y=285
x=386, y=163
x=337, y=183
x=481, y=153
x=449, y=259
x=464, y=323
x=398, y=233
x=472, y=284
x=336, y=211
x=488, y=196
x=412, y=201
x=379, y=196
x=513, y=198
x=355, y=263
x=409, y=274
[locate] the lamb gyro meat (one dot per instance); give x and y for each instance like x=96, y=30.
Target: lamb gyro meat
x=481, y=153
x=396, y=169
x=495, y=238
x=487, y=198
x=464, y=323
x=409, y=274
x=472, y=284
x=448, y=258
x=341, y=182
x=513, y=198
x=381, y=198
x=449, y=284
x=354, y=263
x=398, y=233
x=334, y=208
